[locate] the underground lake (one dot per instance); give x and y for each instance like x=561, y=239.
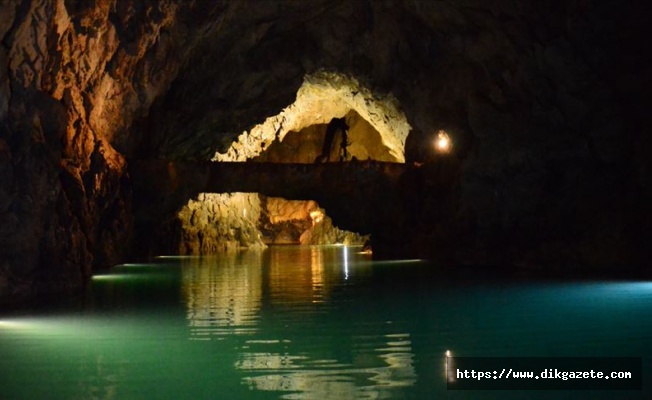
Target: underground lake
x=309, y=322
x=324, y=199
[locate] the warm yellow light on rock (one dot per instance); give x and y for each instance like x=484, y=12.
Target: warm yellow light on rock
x=443, y=142
x=317, y=216
x=323, y=96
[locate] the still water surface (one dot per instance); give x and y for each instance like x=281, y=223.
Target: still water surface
x=308, y=323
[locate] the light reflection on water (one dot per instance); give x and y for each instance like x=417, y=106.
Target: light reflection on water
x=225, y=299
x=222, y=298
x=306, y=323
x=329, y=378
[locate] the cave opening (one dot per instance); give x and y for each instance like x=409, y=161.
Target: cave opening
x=372, y=129
x=303, y=222
x=362, y=140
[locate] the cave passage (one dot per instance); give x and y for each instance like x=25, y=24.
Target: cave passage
x=300, y=222
x=325, y=143
x=270, y=204
x=545, y=105
x=345, y=189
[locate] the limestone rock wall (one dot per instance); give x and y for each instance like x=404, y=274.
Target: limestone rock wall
x=304, y=146
x=74, y=75
x=326, y=233
x=322, y=96
x=301, y=222
x=212, y=223
x=545, y=104
x=220, y=222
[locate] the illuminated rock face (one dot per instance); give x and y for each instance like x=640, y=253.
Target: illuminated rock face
x=543, y=103
x=321, y=97
x=301, y=222
x=297, y=135
x=214, y=223
x=220, y=222
x=74, y=76
x=305, y=146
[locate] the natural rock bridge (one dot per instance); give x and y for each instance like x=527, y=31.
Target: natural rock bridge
x=361, y=196
x=354, y=193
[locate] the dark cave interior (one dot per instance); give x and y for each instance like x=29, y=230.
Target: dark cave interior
x=112, y=112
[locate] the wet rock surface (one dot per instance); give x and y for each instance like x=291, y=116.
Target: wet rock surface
x=301, y=222
x=220, y=222
x=74, y=76
x=546, y=104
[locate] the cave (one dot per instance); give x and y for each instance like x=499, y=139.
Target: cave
x=225, y=163
x=548, y=166
x=298, y=135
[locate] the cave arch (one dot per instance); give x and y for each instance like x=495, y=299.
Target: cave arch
x=323, y=96
x=307, y=145
x=213, y=218
x=212, y=221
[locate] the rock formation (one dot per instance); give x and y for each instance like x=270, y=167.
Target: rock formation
x=546, y=104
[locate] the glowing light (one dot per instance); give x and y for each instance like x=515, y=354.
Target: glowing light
x=4, y=324
x=112, y=277
x=317, y=274
x=346, y=263
x=443, y=142
x=141, y=266
x=450, y=370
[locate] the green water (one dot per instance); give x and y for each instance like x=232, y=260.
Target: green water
x=309, y=323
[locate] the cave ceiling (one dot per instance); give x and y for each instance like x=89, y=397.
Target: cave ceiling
x=471, y=68
x=251, y=65
x=184, y=79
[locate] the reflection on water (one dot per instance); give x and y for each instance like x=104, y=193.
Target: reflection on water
x=308, y=323
x=224, y=297
x=297, y=276
x=371, y=375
